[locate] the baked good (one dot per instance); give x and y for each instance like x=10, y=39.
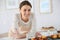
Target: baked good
x=51, y=28
x=54, y=36
x=43, y=37
x=58, y=35
x=44, y=28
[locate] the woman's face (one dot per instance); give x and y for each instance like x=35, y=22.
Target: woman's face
x=25, y=11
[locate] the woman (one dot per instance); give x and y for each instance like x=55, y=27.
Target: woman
x=24, y=22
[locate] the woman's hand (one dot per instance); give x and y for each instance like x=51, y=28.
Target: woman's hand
x=16, y=34
x=13, y=33
x=38, y=34
x=19, y=36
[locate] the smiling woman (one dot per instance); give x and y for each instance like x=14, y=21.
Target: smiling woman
x=24, y=22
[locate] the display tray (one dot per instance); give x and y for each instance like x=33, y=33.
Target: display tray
x=53, y=38
x=45, y=39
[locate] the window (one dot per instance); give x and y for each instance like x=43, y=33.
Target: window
x=45, y=6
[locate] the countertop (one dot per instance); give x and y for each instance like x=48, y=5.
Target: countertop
x=4, y=36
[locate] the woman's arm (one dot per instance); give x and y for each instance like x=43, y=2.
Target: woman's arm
x=16, y=34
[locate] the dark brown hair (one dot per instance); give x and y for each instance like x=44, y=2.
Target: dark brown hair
x=25, y=3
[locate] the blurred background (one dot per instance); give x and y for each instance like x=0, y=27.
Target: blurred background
x=9, y=8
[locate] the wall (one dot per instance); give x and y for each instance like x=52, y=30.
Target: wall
x=50, y=19
x=6, y=16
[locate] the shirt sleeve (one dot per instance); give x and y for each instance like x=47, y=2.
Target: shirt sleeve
x=15, y=21
x=14, y=25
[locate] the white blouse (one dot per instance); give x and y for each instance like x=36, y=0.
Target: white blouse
x=24, y=26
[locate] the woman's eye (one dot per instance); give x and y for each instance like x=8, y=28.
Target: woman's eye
x=29, y=10
x=25, y=10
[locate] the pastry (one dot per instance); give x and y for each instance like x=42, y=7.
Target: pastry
x=54, y=36
x=58, y=35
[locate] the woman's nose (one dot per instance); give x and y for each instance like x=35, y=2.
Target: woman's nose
x=27, y=12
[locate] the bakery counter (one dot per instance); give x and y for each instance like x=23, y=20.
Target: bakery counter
x=44, y=38
x=47, y=33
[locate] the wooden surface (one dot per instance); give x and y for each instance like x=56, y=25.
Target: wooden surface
x=4, y=35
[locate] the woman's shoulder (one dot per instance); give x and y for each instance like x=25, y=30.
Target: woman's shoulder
x=16, y=16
